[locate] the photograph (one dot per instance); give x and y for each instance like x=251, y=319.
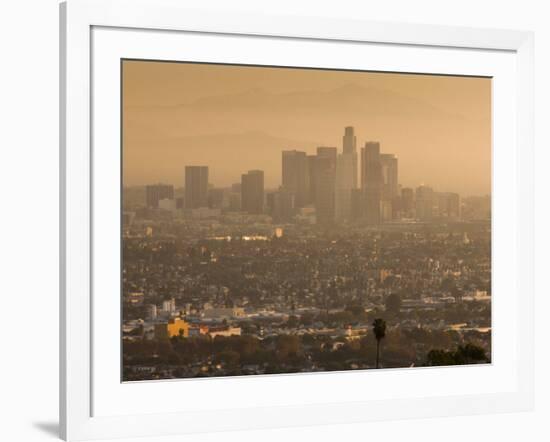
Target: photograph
x=275, y=221
x=283, y=219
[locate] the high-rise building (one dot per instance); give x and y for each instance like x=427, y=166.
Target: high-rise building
x=296, y=175
x=407, y=203
x=371, y=181
x=344, y=186
x=448, y=205
x=346, y=176
x=327, y=152
x=388, y=163
x=325, y=177
x=196, y=187
x=252, y=191
x=311, y=166
x=156, y=192
x=349, y=141
x=234, y=202
x=281, y=205
x=396, y=207
x=390, y=186
x=270, y=198
x=385, y=210
x=215, y=198
x=424, y=203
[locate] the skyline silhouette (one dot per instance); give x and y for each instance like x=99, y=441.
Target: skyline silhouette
x=178, y=114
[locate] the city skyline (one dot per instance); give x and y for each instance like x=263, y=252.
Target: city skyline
x=334, y=184
x=445, y=121
x=262, y=254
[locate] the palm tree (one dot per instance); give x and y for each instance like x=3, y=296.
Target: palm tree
x=379, y=329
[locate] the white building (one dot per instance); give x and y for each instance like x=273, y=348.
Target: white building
x=228, y=331
x=169, y=305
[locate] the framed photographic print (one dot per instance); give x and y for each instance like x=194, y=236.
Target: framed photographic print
x=314, y=221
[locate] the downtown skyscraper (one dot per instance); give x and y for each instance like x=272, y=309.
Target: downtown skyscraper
x=390, y=186
x=424, y=203
x=252, y=192
x=296, y=176
x=156, y=192
x=196, y=187
x=325, y=181
x=346, y=176
x=371, y=182
x=349, y=142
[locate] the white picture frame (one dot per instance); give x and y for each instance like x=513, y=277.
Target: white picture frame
x=86, y=395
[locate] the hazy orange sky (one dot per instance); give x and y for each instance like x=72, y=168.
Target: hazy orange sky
x=237, y=118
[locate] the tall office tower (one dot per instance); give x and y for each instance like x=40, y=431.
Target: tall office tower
x=388, y=162
x=396, y=207
x=156, y=192
x=281, y=205
x=296, y=175
x=327, y=152
x=344, y=185
x=448, y=205
x=252, y=191
x=311, y=159
x=349, y=141
x=325, y=177
x=424, y=203
x=270, y=203
x=371, y=181
x=234, y=202
x=196, y=187
x=407, y=202
x=346, y=176
x=390, y=189
x=216, y=198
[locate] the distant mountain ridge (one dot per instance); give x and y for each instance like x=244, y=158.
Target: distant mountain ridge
x=351, y=96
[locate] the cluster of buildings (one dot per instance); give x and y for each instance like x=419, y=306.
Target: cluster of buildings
x=251, y=283
x=322, y=188
x=170, y=319
x=181, y=327
x=251, y=263
x=214, y=278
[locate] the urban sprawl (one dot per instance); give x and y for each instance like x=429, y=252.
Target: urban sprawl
x=340, y=268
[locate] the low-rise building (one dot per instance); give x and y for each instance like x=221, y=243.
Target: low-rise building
x=174, y=327
x=223, y=331
x=224, y=313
